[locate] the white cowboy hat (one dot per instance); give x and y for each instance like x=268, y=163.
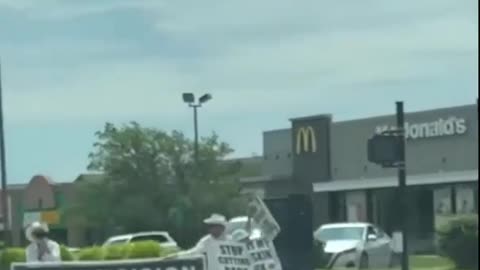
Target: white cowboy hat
x=240, y=234
x=34, y=227
x=216, y=219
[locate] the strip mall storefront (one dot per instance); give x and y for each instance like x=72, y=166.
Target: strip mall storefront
x=42, y=200
x=442, y=169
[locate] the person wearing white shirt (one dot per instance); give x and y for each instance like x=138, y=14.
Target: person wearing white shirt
x=41, y=249
x=216, y=232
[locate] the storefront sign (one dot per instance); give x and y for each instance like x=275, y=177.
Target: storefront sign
x=228, y=255
x=49, y=217
x=261, y=217
x=442, y=127
x=263, y=255
x=180, y=264
x=306, y=140
x=30, y=217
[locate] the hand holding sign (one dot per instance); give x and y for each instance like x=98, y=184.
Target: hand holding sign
x=260, y=215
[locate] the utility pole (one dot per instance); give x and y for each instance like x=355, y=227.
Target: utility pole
x=388, y=150
x=195, y=127
x=3, y=171
x=402, y=182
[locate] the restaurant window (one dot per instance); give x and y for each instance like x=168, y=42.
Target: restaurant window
x=465, y=199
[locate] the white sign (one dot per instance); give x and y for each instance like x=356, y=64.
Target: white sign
x=30, y=217
x=397, y=242
x=195, y=263
x=263, y=255
x=262, y=217
x=227, y=255
x=442, y=127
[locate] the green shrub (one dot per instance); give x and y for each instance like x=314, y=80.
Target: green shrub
x=147, y=249
x=11, y=255
x=90, y=254
x=66, y=255
x=116, y=252
x=458, y=241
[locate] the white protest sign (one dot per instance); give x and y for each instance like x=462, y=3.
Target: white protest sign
x=227, y=255
x=263, y=255
x=194, y=263
x=261, y=216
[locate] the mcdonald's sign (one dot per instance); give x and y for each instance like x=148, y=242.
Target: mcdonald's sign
x=306, y=140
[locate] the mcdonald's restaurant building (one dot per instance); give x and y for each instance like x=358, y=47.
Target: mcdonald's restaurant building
x=328, y=160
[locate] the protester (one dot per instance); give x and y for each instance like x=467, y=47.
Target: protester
x=41, y=249
x=216, y=232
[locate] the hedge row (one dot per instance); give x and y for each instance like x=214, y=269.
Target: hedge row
x=138, y=250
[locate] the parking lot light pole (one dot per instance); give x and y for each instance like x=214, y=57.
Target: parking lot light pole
x=3, y=173
x=189, y=98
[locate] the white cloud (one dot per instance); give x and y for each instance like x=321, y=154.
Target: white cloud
x=68, y=9
x=283, y=52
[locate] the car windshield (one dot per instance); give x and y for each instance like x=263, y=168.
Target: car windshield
x=344, y=233
x=233, y=226
x=242, y=224
x=116, y=242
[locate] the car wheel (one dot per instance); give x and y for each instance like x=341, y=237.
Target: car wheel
x=363, y=264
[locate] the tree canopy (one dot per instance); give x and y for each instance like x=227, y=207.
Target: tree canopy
x=152, y=182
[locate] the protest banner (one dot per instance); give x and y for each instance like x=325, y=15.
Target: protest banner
x=263, y=255
x=260, y=216
x=194, y=263
x=228, y=255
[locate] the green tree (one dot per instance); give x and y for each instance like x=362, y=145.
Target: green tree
x=151, y=181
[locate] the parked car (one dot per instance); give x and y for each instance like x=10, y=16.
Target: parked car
x=241, y=223
x=361, y=245
x=73, y=249
x=163, y=238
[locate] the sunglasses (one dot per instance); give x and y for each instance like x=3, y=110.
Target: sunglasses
x=40, y=234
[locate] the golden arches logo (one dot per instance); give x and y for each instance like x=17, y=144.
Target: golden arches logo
x=306, y=140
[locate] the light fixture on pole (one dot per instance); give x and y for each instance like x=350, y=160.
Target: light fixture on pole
x=189, y=98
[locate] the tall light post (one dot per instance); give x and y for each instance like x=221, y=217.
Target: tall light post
x=3, y=172
x=189, y=98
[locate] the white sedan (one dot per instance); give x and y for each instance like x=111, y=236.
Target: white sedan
x=162, y=238
x=242, y=223
x=361, y=245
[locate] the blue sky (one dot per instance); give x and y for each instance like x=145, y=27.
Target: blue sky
x=71, y=65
